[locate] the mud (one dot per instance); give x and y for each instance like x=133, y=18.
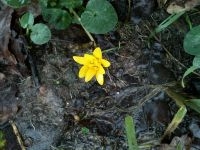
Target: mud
x=64, y=105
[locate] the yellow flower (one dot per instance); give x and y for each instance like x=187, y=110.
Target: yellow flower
x=92, y=66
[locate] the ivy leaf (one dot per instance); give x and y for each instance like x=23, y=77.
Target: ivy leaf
x=70, y=4
x=17, y=3
x=192, y=41
x=40, y=34
x=61, y=19
x=99, y=17
x=26, y=20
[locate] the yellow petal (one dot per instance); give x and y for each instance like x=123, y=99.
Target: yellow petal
x=100, y=78
x=89, y=74
x=105, y=63
x=79, y=60
x=97, y=53
x=83, y=71
x=88, y=57
x=101, y=70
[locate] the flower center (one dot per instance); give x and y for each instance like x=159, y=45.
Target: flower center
x=94, y=64
x=95, y=68
x=92, y=61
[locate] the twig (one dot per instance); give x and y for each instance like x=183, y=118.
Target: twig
x=129, y=9
x=15, y=130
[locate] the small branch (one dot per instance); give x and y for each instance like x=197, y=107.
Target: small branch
x=15, y=130
x=86, y=31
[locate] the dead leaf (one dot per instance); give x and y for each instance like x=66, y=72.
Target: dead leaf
x=8, y=102
x=183, y=142
x=5, y=56
x=178, y=6
x=17, y=46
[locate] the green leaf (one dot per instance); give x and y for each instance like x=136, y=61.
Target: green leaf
x=182, y=101
x=43, y=3
x=188, y=71
x=196, y=61
x=40, y=34
x=187, y=19
x=180, y=146
x=130, y=133
x=193, y=104
x=99, y=17
x=17, y=3
x=85, y=130
x=76, y=20
x=192, y=41
x=61, y=19
x=177, y=119
x=178, y=98
x=2, y=140
x=26, y=20
x=71, y=3
x=167, y=22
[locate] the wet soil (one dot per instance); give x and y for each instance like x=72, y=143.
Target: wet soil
x=55, y=110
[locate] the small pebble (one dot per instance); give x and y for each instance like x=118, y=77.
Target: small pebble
x=2, y=76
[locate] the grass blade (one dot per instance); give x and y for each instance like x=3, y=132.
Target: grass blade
x=178, y=98
x=182, y=100
x=187, y=72
x=193, y=104
x=168, y=21
x=177, y=119
x=130, y=133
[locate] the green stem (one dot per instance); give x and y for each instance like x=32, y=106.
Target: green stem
x=187, y=18
x=112, y=49
x=86, y=31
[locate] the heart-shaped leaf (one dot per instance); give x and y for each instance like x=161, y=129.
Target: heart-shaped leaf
x=40, y=34
x=61, y=19
x=26, y=20
x=99, y=17
x=192, y=41
x=196, y=61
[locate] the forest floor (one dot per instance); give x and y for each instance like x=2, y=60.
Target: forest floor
x=53, y=109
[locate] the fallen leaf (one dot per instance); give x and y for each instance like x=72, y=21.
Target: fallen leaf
x=178, y=6
x=183, y=142
x=5, y=55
